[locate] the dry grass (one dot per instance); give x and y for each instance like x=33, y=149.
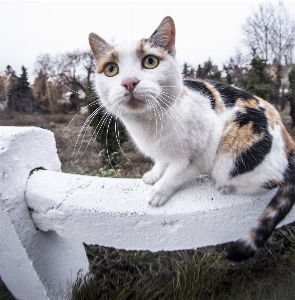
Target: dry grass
x=80, y=155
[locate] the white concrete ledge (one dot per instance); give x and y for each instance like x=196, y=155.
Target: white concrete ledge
x=113, y=212
x=71, y=209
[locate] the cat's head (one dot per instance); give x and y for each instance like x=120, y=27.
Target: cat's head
x=141, y=76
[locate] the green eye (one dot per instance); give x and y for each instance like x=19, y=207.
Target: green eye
x=111, y=70
x=150, y=62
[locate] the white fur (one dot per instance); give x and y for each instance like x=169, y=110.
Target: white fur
x=177, y=128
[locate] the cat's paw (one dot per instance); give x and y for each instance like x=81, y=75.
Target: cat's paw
x=226, y=189
x=157, y=198
x=150, y=177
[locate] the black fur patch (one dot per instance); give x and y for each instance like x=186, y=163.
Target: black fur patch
x=230, y=94
x=281, y=203
x=240, y=251
x=256, y=116
x=200, y=87
x=248, y=160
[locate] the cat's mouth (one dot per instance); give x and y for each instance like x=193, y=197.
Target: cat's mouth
x=134, y=103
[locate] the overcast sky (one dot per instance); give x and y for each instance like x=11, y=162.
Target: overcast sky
x=203, y=28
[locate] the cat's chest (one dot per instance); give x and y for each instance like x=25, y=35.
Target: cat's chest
x=159, y=139
x=155, y=141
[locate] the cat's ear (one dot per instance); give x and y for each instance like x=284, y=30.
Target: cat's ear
x=98, y=45
x=164, y=35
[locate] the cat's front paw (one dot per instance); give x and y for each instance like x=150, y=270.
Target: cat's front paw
x=150, y=177
x=226, y=189
x=157, y=198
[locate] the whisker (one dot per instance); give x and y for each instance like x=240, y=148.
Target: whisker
x=107, y=146
x=88, y=120
x=90, y=104
x=118, y=142
x=101, y=123
x=183, y=127
x=184, y=107
x=173, y=126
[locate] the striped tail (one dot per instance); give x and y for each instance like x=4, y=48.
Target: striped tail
x=275, y=212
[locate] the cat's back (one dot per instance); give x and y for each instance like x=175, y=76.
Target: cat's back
x=254, y=144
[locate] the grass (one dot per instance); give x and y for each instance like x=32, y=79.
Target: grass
x=4, y=293
x=188, y=274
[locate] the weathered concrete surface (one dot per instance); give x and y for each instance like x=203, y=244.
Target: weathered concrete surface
x=33, y=264
x=113, y=212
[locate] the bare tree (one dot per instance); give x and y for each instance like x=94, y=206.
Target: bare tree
x=258, y=29
x=71, y=71
x=282, y=35
x=74, y=69
x=237, y=69
x=88, y=65
x=269, y=32
x=45, y=63
x=269, y=35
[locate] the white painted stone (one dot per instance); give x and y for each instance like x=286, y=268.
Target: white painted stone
x=113, y=212
x=71, y=209
x=33, y=264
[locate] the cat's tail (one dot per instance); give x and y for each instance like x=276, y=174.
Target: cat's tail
x=275, y=212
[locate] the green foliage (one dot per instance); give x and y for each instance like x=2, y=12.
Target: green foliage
x=108, y=129
x=188, y=71
x=228, y=79
x=208, y=71
x=258, y=80
x=20, y=95
x=114, y=163
x=215, y=76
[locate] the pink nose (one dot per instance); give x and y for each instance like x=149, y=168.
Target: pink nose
x=130, y=83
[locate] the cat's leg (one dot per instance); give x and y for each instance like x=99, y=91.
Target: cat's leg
x=177, y=173
x=152, y=176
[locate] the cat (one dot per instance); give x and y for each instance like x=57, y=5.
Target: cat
x=192, y=126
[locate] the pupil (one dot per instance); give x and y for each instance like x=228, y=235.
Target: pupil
x=150, y=60
x=111, y=69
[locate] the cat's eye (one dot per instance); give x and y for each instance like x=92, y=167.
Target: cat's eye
x=111, y=70
x=150, y=62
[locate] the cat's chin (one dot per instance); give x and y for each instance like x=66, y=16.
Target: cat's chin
x=135, y=104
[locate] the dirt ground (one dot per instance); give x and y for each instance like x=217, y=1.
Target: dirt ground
x=78, y=151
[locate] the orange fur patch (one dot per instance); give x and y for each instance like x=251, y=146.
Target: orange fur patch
x=183, y=94
x=141, y=47
x=142, y=50
x=105, y=59
x=219, y=105
x=251, y=103
x=272, y=114
x=238, y=139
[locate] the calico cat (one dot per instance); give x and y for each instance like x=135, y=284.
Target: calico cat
x=190, y=127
